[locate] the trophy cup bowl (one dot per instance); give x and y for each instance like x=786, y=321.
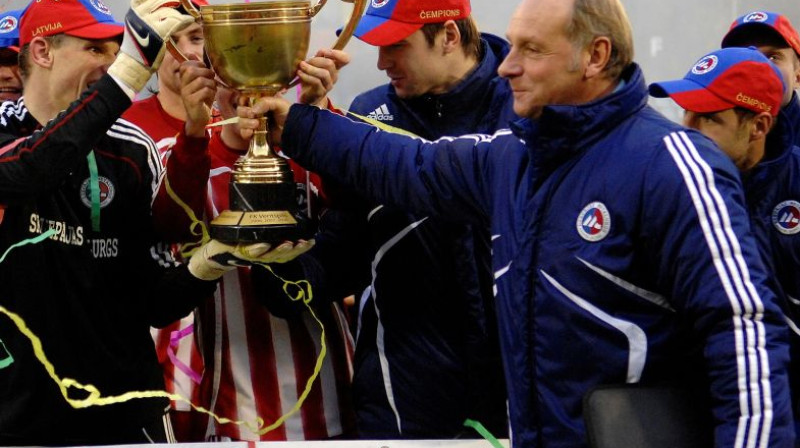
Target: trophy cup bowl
x=255, y=48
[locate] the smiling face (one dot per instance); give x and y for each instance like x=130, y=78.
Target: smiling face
x=542, y=66
x=77, y=64
x=10, y=81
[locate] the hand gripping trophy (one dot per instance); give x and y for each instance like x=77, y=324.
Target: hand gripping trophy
x=255, y=48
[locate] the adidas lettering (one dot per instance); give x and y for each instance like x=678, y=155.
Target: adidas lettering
x=381, y=114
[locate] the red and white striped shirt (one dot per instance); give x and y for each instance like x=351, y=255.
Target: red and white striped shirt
x=253, y=364
x=257, y=365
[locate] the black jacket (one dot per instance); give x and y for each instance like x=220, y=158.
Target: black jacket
x=90, y=296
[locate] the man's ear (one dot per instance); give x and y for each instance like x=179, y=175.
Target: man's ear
x=599, y=53
x=762, y=124
x=452, y=37
x=41, y=52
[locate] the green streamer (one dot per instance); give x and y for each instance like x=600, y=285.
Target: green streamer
x=94, y=191
x=477, y=426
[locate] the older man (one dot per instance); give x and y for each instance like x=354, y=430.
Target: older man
x=620, y=241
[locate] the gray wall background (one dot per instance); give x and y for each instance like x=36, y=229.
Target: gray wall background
x=669, y=35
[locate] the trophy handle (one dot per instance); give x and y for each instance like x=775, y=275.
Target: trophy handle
x=172, y=47
x=347, y=31
x=191, y=9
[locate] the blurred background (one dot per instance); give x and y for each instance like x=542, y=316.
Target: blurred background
x=669, y=35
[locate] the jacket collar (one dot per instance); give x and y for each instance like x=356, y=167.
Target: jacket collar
x=777, y=152
x=792, y=113
x=564, y=130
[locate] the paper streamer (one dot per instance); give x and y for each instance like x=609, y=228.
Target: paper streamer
x=94, y=396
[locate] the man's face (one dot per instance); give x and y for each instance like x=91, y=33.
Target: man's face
x=190, y=42
x=77, y=64
x=542, y=67
x=413, y=67
x=788, y=64
x=10, y=82
x=728, y=131
x=775, y=48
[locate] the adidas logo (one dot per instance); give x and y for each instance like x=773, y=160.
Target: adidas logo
x=381, y=114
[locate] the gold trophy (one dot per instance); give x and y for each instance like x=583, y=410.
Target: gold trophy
x=255, y=48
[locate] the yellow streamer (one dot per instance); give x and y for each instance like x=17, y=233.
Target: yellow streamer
x=306, y=299
x=189, y=248
x=303, y=293
x=381, y=125
x=95, y=398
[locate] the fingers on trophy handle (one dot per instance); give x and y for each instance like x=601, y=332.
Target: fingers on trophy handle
x=190, y=9
x=176, y=53
x=172, y=46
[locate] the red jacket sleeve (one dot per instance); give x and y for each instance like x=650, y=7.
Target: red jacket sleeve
x=187, y=176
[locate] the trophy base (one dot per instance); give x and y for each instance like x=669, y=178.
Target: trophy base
x=268, y=226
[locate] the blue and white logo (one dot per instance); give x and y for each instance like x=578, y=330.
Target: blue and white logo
x=8, y=24
x=594, y=222
x=379, y=3
x=381, y=113
x=705, y=65
x=100, y=6
x=786, y=217
x=757, y=16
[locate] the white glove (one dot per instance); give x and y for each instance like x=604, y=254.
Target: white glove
x=214, y=258
x=148, y=25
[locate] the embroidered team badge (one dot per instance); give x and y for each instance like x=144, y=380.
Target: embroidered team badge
x=8, y=24
x=705, y=65
x=106, y=192
x=786, y=217
x=757, y=16
x=100, y=6
x=379, y=3
x=593, y=222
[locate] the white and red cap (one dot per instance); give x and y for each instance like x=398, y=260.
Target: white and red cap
x=87, y=19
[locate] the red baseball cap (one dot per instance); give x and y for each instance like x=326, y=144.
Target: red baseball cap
x=724, y=79
x=389, y=21
x=761, y=21
x=87, y=19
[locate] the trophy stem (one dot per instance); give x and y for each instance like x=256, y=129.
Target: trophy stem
x=261, y=164
x=259, y=144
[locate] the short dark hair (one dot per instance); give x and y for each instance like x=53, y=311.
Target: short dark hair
x=470, y=36
x=25, y=54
